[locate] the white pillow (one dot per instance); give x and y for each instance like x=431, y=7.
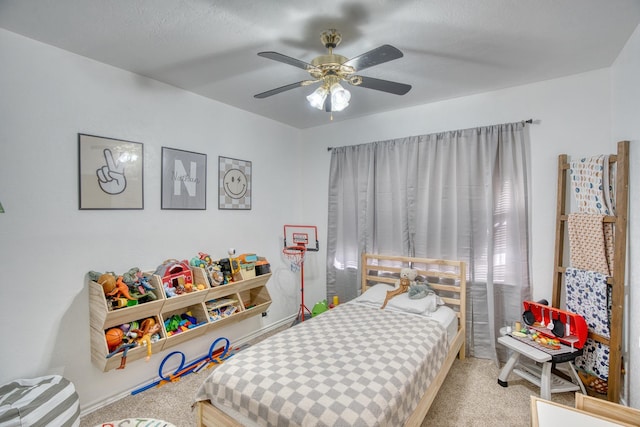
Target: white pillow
x=378, y=292
x=375, y=294
x=426, y=305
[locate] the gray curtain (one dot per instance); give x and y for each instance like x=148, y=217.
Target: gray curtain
x=457, y=195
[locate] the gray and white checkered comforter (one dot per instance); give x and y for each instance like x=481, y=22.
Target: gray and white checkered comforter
x=354, y=365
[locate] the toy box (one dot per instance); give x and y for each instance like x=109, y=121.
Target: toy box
x=247, y=271
x=107, y=341
x=184, y=323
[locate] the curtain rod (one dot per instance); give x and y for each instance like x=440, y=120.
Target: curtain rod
x=528, y=121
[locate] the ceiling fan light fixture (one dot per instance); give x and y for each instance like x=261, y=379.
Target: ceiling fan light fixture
x=331, y=69
x=340, y=97
x=316, y=99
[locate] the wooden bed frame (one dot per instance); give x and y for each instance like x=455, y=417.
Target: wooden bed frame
x=386, y=269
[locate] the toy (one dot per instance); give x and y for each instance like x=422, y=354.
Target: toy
x=124, y=348
x=144, y=285
x=569, y=328
x=419, y=290
x=215, y=274
x=149, y=328
x=121, y=290
x=407, y=278
x=319, y=308
x=213, y=357
x=197, y=262
x=175, y=274
x=205, y=257
x=169, y=290
x=114, y=338
x=107, y=281
x=131, y=276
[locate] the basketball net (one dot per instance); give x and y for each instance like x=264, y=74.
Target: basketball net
x=295, y=255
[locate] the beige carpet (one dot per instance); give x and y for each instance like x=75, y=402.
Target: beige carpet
x=470, y=396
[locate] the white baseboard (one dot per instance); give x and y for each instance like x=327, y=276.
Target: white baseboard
x=241, y=341
x=269, y=328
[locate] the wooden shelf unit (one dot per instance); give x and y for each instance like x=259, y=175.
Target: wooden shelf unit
x=617, y=278
x=251, y=295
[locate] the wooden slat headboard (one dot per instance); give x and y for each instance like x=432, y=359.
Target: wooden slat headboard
x=447, y=278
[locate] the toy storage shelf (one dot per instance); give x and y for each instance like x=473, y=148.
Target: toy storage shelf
x=251, y=296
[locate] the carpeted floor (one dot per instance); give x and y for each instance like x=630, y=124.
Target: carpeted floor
x=469, y=397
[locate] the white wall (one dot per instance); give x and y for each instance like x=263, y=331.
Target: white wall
x=626, y=125
x=47, y=245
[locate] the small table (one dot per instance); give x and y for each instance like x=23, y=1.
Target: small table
x=540, y=376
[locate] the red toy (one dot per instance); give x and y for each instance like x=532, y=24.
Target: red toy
x=567, y=327
x=176, y=277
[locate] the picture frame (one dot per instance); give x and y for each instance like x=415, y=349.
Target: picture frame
x=234, y=183
x=184, y=179
x=110, y=173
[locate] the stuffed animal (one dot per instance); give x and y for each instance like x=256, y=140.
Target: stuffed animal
x=419, y=290
x=407, y=278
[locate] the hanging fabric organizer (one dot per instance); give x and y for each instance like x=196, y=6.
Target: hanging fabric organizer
x=592, y=278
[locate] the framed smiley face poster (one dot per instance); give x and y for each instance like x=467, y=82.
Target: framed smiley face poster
x=234, y=183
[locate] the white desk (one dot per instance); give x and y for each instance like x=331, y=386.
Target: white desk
x=550, y=414
x=540, y=376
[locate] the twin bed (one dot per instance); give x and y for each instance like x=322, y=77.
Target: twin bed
x=354, y=365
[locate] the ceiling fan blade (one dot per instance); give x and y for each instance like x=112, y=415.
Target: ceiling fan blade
x=384, y=85
x=280, y=89
x=379, y=55
x=287, y=60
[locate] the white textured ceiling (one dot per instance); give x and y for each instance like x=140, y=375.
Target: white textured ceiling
x=451, y=48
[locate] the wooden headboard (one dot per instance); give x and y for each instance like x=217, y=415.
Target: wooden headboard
x=447, y=278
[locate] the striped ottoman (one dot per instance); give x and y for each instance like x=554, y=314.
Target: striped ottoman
x=46, y=401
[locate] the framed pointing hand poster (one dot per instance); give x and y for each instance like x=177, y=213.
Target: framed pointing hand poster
x=110, y=173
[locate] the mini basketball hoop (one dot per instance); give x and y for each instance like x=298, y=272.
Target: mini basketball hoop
x=300, y=237
x=295, y=255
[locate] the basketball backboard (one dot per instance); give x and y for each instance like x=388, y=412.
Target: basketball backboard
x=302, y=235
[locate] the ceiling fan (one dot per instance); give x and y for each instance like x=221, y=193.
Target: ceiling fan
x=332, y=69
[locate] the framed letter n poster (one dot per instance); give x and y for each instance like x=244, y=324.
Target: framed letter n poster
x=184, y=179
